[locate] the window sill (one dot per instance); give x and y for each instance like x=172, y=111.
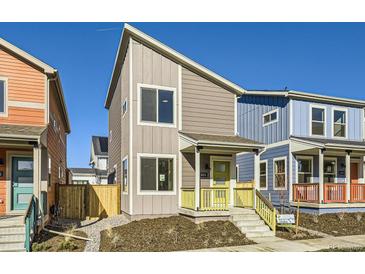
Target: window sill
x=156, y=193
x=152, y=124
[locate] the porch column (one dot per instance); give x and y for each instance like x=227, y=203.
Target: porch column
x=197, y=178
x=37, y=171
x=256, y=173
x=348, y=175
x=321, y=175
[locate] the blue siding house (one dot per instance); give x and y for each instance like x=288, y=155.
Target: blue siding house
x=314, y=151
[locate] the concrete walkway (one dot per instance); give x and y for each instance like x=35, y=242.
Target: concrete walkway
x=275, y=244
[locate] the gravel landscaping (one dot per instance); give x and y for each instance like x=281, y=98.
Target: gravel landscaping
x=171, y=234
x=335, y=224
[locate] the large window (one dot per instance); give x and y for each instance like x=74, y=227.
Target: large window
x=156, y=106
x=263, y=174
x=125, y=174
x=318, y=123
x=330, y=170
x=305, y=170
x=270, y=117
x=3, y=98
x=339, y=123
x=280, y=173
x=156, y=173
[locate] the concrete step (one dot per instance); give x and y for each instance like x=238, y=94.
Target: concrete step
x=245, y=229
x=6, y=245
x=252, y=235
x=12, y=229
x=247, y=223
x=10, y=236
x=242, y=211
x=13, y=250
x=250, y=217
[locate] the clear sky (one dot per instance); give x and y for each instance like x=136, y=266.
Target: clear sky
x=326, y=58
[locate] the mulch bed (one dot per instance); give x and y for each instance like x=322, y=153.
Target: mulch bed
x=289, y=234
x=50, y=242
x=336, y=224
x=171, y=234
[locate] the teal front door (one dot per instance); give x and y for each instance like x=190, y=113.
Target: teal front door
x=22, y=182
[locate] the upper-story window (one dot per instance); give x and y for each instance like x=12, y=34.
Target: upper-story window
x=270, y=117
x=3, y=96
x=157, y=105
x=318, y=123
x=339, y=123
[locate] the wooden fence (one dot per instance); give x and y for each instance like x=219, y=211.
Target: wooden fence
x=89, y=201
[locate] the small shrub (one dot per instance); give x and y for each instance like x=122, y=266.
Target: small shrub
x=115, y=240
x=109, y=232
x=40, y=247
x=315, y=219
x=67, y=245
x=341, y=215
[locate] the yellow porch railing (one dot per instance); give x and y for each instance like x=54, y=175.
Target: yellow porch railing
x=215, y=198
x=266, y=210
x=243, y=197
x=188, y=198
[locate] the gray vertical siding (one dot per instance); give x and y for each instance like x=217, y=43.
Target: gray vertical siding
x=206, y=107
x=301, y=120
x=250, y=111
x=246, y=166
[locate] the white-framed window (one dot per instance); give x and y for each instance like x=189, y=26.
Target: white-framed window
x=263, y=175
x=270, y=117
x=279, y=172
x=330, y=170
x=125, y=174
x=305, y=169
x=318, y=121
x=156, y=105
x=3, y=97
x=49, y=171
x=339, y=123
x=124, y=107
x=156, y=174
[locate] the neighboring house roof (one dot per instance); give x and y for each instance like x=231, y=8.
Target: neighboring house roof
x=307, y=96
x=201, y=139
x=100, y=145
x=85, y=171
x=101, y=172
x=330, y=143
x=23, y=132
x=51, y=72
x=156, y=45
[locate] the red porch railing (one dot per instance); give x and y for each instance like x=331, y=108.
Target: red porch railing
x=357, y=193
x=306, y=193
x=334, y=193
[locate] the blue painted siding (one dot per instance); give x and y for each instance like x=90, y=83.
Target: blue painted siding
x=301, y=120
x=246, y=164
x=330, y=210
x=250, y=110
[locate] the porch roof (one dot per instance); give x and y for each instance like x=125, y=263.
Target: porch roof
x=21, y=132
x=331, y=143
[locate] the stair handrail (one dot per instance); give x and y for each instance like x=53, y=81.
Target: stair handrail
x=266, y=210
x=30, y=221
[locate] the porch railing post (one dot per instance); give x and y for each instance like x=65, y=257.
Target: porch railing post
x=348, y=176
x=197, y=178
x=321, y=175
x=256, y=174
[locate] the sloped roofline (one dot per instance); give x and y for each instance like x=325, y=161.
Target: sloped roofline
x=46, y=69
x=179, y=58
x=307, y=96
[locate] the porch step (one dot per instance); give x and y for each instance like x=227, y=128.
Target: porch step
x=6, y=245
x=244, y=223
x=12, y=233
x=238, y=218
x=10, y=236
x=253, y=235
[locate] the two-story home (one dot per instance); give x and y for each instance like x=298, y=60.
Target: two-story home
x=314, y=151
x=172, y=132
x=33, y=132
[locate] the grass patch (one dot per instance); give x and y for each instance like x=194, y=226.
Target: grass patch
x=171, y=234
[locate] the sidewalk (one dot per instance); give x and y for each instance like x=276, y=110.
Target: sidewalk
x=275, y=244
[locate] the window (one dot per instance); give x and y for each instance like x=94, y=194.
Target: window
x=318, y=117
x=280, y=173
x=157, y=173
x=3, y=96
x=125, y=174
x=339, y=123
x=263, y=175
x=270, y=117
x=156, y=106
x=305, y=170
x=330, y=170
x=124, y=107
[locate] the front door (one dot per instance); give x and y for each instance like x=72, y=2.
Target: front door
x=354, y=173
x=22, y=182
x=221, y=174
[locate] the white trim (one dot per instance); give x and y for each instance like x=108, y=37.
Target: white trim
x=220, y=159
x=291, y=117
x=336, y=171
x=311, y=106
x=269, y=113
x=5, y=113
x=267, y=174
x=125, y=102
x=122, y=175
x=156, y=124
x=273, y=145
x=237, y=172
x=363, y=124
x=26, y=104
x=235, y=115
x=179, y=90
x=273, y=173
x=155, y=192
x=304, y=157
x=130, y=154
x=290, y=182
x=333, y=123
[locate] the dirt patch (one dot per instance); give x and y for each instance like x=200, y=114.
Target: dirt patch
x=289, y=234
x=336, y=224
x=171, y=234
x=349, y=249
x=50, y=242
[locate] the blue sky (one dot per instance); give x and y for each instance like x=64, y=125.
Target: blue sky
x=326, y=58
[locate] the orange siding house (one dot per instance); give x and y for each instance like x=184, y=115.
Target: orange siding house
x=33, y=132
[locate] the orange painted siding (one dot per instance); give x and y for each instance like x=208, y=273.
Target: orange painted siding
x=25, y=84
